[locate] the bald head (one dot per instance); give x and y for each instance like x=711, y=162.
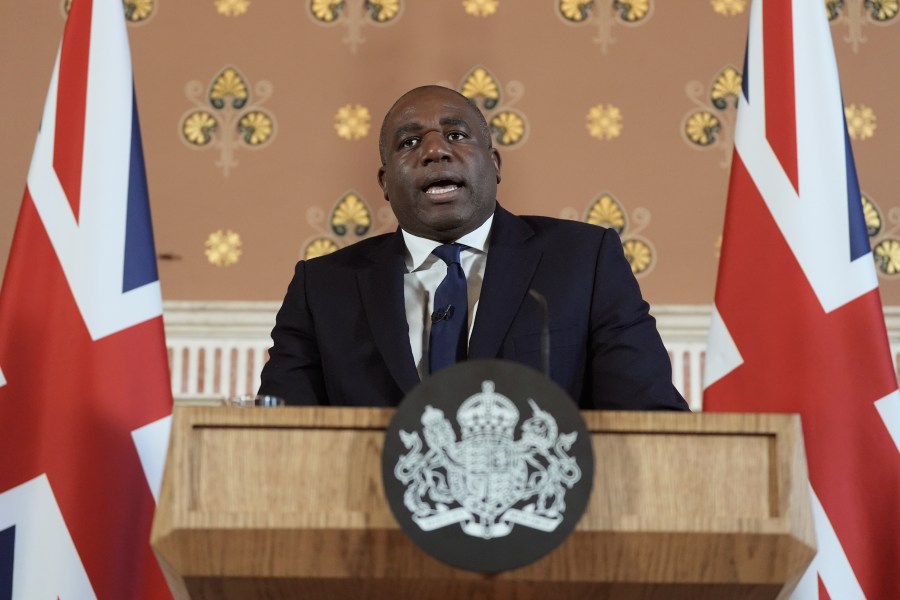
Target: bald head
x=479, y=118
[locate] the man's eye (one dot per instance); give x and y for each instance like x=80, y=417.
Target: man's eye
x=409, y=142
x=455, y=136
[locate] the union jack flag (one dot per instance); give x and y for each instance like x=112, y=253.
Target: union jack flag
x=798, y=324
x=84, y=393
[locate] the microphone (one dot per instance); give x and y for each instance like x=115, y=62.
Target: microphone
x=442, y=315
x=545, y=330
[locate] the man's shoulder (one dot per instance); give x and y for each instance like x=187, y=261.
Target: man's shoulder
x=554, y=226
x=354, y=255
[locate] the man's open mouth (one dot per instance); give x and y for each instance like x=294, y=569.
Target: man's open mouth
x=441, y=187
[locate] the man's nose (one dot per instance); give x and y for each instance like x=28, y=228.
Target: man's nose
x=434, y=147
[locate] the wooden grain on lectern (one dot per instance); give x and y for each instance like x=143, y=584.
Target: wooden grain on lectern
x=288, y=503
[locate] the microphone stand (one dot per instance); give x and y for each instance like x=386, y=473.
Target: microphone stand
x=545, y=330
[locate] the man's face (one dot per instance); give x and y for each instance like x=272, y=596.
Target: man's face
x=440, y=173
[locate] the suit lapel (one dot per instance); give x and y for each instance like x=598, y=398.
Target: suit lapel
x=381, y=291
x=510, y=268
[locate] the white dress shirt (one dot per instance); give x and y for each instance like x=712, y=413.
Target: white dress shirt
x=425, y=272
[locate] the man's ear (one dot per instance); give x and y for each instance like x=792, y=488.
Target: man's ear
x=381, y=182
x=495, y=156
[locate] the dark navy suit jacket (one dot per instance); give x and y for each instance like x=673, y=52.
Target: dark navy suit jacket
x=341, y=336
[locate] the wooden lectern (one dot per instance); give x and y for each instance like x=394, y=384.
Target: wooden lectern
x=288, y=503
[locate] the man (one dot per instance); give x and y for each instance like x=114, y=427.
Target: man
x=361, y=326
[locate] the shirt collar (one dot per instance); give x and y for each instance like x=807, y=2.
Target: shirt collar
x=418, y=249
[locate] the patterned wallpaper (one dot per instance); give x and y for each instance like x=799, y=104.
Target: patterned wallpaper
x=260, y=122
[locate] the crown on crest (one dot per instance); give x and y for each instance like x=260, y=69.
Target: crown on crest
x=487, y=414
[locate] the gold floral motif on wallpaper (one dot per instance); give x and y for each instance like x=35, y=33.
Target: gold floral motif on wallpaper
x=710, y=124
x=136, y=11
x=857, y=14
x=232, y=8
x=885, y=243
x=860, y=121
x=351, y=220
x=352, y=122
x=604, y=122
x=604, y=15
x=606, y=211
x=480, y=8
x=729, y=8
x=227, y=116
x=509, y=127
x=223, y=247
x=355, y=14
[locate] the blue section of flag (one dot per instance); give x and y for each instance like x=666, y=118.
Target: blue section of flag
x=140, y=253
x=859, y=235
x=7, y=554
x=745, y=75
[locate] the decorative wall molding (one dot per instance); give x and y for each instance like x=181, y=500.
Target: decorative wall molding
x=218, y=319
x=217, y=349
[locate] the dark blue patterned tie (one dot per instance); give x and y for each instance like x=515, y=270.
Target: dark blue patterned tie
x=450, y=317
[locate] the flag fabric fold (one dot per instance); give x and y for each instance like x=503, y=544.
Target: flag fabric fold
x=85, y=400
x=798, y=324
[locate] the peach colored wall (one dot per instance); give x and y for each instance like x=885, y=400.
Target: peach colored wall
x=649, y=77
